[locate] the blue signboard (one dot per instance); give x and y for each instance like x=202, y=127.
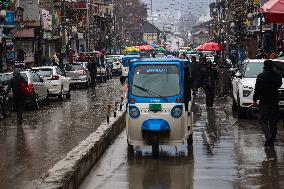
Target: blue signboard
x=10, y=19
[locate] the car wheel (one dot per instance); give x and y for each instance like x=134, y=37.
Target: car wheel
x=234, y=106
x=47, y=98
x=61, y=95
x=68, y=95
x=35, y=102
x=87, y=84
x=241, y=111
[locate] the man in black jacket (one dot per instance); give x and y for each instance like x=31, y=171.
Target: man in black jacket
x=195, y=74
x=19, y=97
x=266, y=90
x=208, y=82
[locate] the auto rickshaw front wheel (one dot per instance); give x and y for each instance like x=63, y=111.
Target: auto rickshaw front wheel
x=155, y=146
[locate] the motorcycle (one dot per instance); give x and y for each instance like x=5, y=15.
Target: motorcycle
x=5, y=104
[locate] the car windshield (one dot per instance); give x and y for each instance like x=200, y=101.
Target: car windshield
x=5, y=78
x=252, y=69
x=44, y=72
x=74, y=67
x=154, y=81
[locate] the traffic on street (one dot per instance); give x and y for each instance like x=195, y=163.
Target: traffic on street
x=142, y=94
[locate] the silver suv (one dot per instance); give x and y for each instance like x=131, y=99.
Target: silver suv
x=78, y=73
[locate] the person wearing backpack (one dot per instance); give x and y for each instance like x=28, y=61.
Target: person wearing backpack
x=19, y=97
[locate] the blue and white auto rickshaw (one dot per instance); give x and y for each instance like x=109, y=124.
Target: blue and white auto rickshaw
x=156, y=113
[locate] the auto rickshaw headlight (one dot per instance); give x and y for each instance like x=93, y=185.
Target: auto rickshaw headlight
x=134, y=112
x=176, y=111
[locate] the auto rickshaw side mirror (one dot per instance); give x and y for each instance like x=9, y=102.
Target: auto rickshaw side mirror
x=238, y=75
x=122, y=79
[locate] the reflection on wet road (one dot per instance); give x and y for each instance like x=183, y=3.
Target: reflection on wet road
x=227, y=153
x=48, y=134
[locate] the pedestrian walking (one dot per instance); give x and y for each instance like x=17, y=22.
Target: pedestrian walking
x=266, y=91
x=195, y=74
x=16, y=84
x=260, y=54
x=208, y=81
x=55, y=60
x=187, y=85
x=223, y=77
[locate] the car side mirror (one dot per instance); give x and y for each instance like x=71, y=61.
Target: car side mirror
x=238, y=75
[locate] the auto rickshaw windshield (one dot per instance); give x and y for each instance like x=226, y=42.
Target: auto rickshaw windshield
x=156, y=81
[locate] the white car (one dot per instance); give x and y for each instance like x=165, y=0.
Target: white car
x=34, y=81
x=244, y=84
x=55, y=80
x=40, y=91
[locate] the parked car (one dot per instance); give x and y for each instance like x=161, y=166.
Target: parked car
x=101, y=72
x=244, y=84
x=113, y=61
x=56, y=81
x=7, y=102
x=78, y=73
x=40, y=91
x=117, y=68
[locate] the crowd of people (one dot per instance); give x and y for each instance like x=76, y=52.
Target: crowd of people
x=212, y=77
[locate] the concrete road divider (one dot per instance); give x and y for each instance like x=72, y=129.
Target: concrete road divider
x=69, y=172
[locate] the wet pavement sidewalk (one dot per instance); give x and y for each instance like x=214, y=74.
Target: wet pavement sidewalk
x=227, y=153
x=49, y=133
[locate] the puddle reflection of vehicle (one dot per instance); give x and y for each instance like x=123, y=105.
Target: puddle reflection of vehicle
x=146, y=173
x=156, y=113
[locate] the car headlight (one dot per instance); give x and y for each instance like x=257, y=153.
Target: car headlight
x=134, y=112
x=176, y=111
x=246, y=93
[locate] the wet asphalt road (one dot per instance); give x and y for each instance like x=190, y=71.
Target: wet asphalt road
x=227, y=153
x=48, y=134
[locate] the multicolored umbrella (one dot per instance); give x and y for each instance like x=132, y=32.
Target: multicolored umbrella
x=130, y=49
x=159, y=49
x=211, y=46
x=145, y=48
x=154, y=45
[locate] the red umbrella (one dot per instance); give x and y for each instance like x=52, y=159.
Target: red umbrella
x=144, y=47
x=211, y=46
x=274, y=11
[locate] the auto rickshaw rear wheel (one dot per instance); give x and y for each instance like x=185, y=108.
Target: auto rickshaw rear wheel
x=130, y=149
x=190, y=140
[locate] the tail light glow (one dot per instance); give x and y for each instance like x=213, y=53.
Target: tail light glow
x=54, y=77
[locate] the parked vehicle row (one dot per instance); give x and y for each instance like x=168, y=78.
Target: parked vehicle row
x=45, y=82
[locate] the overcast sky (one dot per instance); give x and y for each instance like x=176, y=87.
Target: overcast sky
x=167, y=12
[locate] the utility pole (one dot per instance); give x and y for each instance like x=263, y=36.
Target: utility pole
x=88, y=27
x=63, y=40
x=152, y=11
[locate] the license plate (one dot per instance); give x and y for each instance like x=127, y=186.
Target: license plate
x=155, y=107
x=281, y=103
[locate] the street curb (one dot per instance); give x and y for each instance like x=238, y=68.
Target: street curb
x=69, y=172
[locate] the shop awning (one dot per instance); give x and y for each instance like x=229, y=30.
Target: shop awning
x=274, y=11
